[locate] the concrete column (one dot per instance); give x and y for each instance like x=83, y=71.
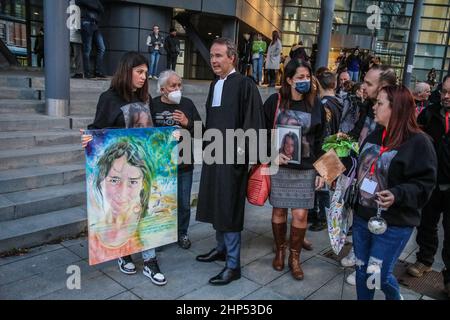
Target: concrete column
x=325, y=28
x=57, y=59
x=412, y=42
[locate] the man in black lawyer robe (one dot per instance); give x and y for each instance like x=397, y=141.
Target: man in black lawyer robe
x=233, y=103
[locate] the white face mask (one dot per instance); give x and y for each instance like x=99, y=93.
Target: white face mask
x=175, y=96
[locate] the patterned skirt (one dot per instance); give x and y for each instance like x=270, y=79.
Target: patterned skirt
x=292, y=188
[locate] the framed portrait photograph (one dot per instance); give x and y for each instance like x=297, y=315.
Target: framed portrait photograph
x=288, y=142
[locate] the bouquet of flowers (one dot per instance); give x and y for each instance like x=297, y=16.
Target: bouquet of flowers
x=342, y=144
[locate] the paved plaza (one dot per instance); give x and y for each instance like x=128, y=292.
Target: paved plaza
x=41, y=273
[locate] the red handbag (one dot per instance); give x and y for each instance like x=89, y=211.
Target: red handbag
x=258, y=187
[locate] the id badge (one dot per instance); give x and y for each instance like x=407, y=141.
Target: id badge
x=369, y=186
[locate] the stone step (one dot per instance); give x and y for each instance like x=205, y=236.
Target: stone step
x=21, y=106
x=37, y=230
x=20, y=93
x=37, y=156
x=31, y=122
x=15, y=81
x=80, y=121
x=101, y=85
x=27, y=139
x=21, y=204
x=83, y=107
x=40, y=177
x=39, y=93
x=84, y=95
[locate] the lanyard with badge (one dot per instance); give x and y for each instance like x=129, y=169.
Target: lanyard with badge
x=447, y=125
x=377, y=224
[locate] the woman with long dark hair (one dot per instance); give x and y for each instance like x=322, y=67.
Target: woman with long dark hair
x=126, y=104
x=397, y=170
x=294, y=185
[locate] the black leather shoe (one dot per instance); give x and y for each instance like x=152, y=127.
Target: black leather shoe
x=211, y=256
x=100, y=75
x=226, y=276
x=318, y=226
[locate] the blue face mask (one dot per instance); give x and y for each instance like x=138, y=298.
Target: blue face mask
x=303, y=86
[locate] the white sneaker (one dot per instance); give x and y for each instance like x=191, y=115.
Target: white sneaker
x=349, y=260
x=126, y=265
x=351, y=279
x=151, y=270
x=150, y=77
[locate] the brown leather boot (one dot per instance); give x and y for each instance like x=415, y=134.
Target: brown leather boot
x=279, y=236
x=296, y=244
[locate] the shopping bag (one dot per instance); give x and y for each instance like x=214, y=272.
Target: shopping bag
x=340, y=211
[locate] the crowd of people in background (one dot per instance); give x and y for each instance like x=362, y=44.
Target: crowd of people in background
x=88, y=34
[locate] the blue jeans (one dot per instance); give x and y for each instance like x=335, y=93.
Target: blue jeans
x=376, y=256
x=149, y=254
x=257, y=68
x=184, y=201
x=89, y=31
x=230, y=242
x=154, y=60
x=354, y=76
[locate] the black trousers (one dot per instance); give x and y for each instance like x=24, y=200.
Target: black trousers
x=272, y=77
x=427, y=232
x=40, y=60
x=171, y=62
x=244, y=68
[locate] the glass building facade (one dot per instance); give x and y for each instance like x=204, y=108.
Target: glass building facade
x=126, y=24
x=20, y=21
x=301, y=22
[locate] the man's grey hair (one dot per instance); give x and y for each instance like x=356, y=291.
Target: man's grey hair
x=421, y=87
x=231, y=48
x=164, y=77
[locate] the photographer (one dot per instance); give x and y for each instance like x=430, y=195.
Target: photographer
x=155, y=43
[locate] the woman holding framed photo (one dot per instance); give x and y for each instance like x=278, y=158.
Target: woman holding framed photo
x=300, y=115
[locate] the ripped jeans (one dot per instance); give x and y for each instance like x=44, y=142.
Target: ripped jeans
x=376, y=256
